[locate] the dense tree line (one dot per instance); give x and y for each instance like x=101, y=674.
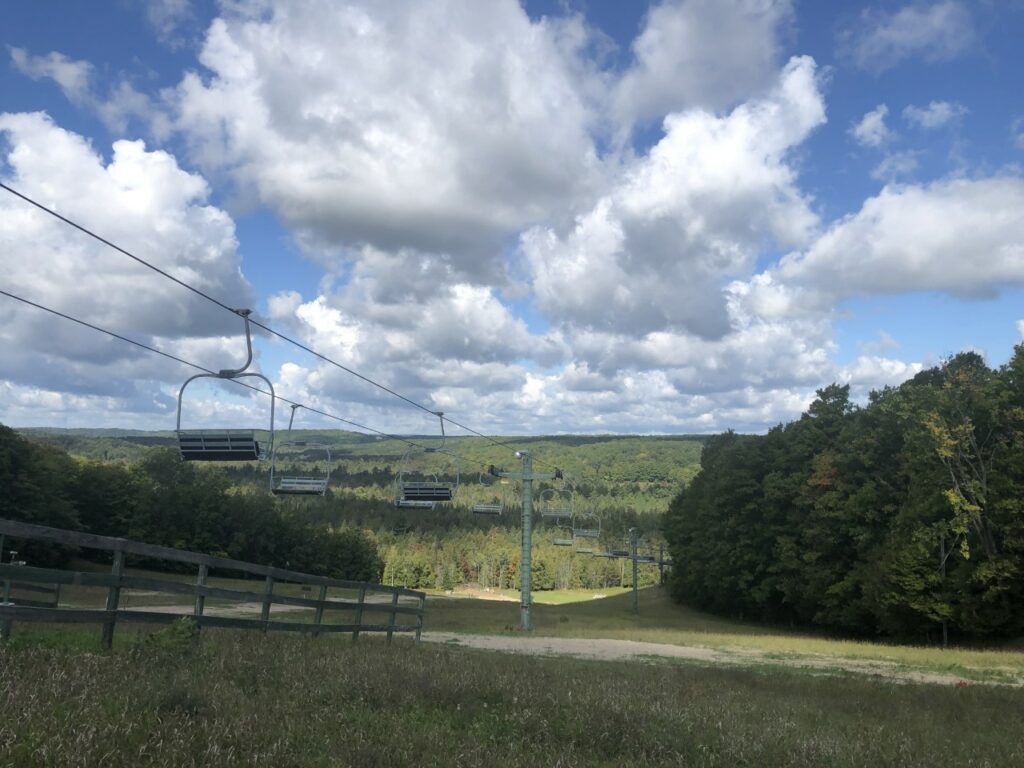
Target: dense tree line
x=891, y=518
x=354, y=532
x=161, y=500
x=490, y=559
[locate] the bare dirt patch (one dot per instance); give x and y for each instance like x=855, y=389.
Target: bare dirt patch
x=625, y=650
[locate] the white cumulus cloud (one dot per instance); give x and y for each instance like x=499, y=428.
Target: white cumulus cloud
x=935, y=115
x=871, y=130
x=961, y=236
x=699, y=207
x=937, y=31
x=141, y=200
x=436, y=127
x=71, y=75
x=709, y=54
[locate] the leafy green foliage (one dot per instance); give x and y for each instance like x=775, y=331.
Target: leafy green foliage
x=161, y=500
x=889, y=519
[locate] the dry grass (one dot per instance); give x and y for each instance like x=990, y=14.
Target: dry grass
x=237, y=700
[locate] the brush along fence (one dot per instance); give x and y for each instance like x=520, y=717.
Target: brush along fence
x=402, y=609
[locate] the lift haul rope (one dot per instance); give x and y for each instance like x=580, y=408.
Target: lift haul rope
x=198, y=367
x=258, y=324
x=222, y=305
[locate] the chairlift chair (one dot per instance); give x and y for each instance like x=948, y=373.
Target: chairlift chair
x=555, y=506
x=424, y=494
x=295, y=485
x=586, y=525
x=494, y=507
x=226, y=444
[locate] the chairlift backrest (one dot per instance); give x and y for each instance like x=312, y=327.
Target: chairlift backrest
x=226, y=444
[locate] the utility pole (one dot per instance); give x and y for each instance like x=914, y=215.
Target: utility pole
x=527, y=476
x=661, y=564
x=632, y=556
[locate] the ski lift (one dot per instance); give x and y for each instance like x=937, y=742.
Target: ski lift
x=294, y=485
x=586, y=525
x=563, y=531
x=226, y=444
x=424, y=494
x=554, y=505
x=497, y=503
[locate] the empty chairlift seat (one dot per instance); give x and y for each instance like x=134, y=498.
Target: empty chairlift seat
x=299, y=485
x=496, y=503
x=556, y=504
x=411, y=504
x=425, y=493
x=586, y=526
x=227, y=444
x=219, y=445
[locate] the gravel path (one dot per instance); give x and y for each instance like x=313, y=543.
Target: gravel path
x=625, y=650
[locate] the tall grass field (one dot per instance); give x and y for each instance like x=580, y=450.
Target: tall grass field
x=243, y=699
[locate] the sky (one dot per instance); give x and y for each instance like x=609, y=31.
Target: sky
x=544, y=217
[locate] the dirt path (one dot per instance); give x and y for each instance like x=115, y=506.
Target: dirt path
x=624, y=650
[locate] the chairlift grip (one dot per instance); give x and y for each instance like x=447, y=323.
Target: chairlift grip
x=230, y=373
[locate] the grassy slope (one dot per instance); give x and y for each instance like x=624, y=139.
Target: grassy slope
x=662, y=621
x=292, y=701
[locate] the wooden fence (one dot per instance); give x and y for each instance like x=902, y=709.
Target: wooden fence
x=370, y=598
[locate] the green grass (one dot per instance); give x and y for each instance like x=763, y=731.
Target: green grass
x=663, y=621
x=293, y=701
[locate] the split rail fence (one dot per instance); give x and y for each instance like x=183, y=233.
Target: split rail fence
x=403, y=608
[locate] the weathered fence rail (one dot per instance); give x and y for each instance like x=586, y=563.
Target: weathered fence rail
x=370, y=598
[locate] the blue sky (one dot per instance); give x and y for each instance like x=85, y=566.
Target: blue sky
x=555, y=216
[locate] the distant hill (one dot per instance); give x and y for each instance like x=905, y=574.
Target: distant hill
x=637, y=471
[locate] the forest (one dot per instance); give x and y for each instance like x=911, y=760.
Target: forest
x=135, y=486
x=897, y=518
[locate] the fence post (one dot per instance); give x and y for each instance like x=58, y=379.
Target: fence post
x=391, y=621
x=113, y=599
x=419, y=625
x=318, y=617
x=268, y=590
x=5, y=623
x=359, y=612
x=200, y=597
